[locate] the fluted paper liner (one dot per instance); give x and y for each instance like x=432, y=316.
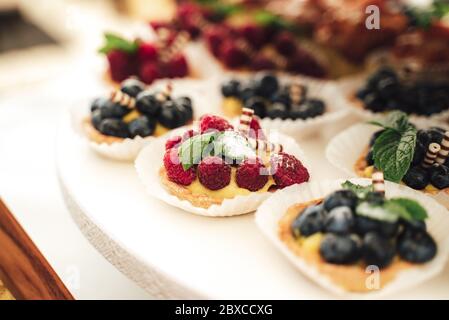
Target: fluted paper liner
x=149, y=162
x=272, y=210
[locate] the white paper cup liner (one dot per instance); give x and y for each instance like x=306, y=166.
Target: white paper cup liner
x=272, y=210
x=348, y=88
x=319, y=89
x=149, y=162
x=345, y=149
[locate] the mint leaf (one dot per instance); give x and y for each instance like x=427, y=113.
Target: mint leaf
x=115, y=42
x=393, y=152
x=376, y=212
x=194, y=149
x=396, y=120
x=360, y=191
x=414, y=210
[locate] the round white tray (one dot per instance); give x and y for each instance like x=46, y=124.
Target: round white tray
x=174, y=254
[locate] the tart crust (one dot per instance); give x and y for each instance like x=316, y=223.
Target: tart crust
x=353, y=278
x=361, y=164
x=202, y=201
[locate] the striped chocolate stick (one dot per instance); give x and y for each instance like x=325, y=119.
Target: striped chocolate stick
x=444, y=151
x=297, y=92
x=178, y=44
x=123, y=99
x=431, y=155
x=245, y=121
x=266, y=146
x=378, y=181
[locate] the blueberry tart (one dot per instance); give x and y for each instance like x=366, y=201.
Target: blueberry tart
x=132, y=115
x=358, y=236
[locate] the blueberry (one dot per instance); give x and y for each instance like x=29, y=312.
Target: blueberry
x=266, y=84
x=435, y=135
x=416, y=246
x=373, y=102
x=388, y=87
x=370, y=158
x=298, y=111
x=246, y=93
x=315, y=107
x=362, y=93
x=420, y=153
x=97, y=103
x=377, y=250
x=439, y=176
x=141, y=126
x=277, y=110
x=416, y=178
x=310, y=221
x=185, y=104
x=281, y=96
x=110, y=109
x=363, y=225
x=340, y=249
x=257, y=104
x=230, y=88
x=423, y=137
x=114, y=127
x=171, y=116
x=339, y=220
x=375, y=198
x=414, y=225
x=148, y=104
x=379, y=75
x=96, y=118
x=340, y=198
x=374, y=137
x=132, y=87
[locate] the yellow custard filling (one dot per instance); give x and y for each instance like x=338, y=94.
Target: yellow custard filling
x=311, y=243
x=232, y=106
x=230, y=191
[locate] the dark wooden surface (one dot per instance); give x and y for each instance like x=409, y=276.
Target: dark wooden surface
x=23, y=269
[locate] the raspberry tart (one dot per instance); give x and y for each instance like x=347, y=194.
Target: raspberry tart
x=217, y=170
x=119, y=125
x=358, y=236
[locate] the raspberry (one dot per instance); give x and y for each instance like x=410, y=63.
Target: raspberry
x=214, y=173
x=288, y=170
x=303, y=62
x=120, y=65
x=149, y=72
x=254, y=34
x=211, y=122
x=156, y=25
x=233, y=56
x=189, y=134
x=256, y=131
x=177, y=67
x=262, y=62
x=175, y=171
x=173, y=142
x=250, y=175
x=285, y=43
x=147, y=52
x=214, y=38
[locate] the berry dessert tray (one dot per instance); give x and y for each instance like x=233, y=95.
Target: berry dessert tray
x=172, y=253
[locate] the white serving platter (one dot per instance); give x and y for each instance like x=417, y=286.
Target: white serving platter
x=173, y=254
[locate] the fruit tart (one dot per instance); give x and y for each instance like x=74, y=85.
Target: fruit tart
x=119, y=125
x=291, y=105
x=358, y=236
x=216, y=170
x=147, y=60
x=386, y=90
x=414, y=155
